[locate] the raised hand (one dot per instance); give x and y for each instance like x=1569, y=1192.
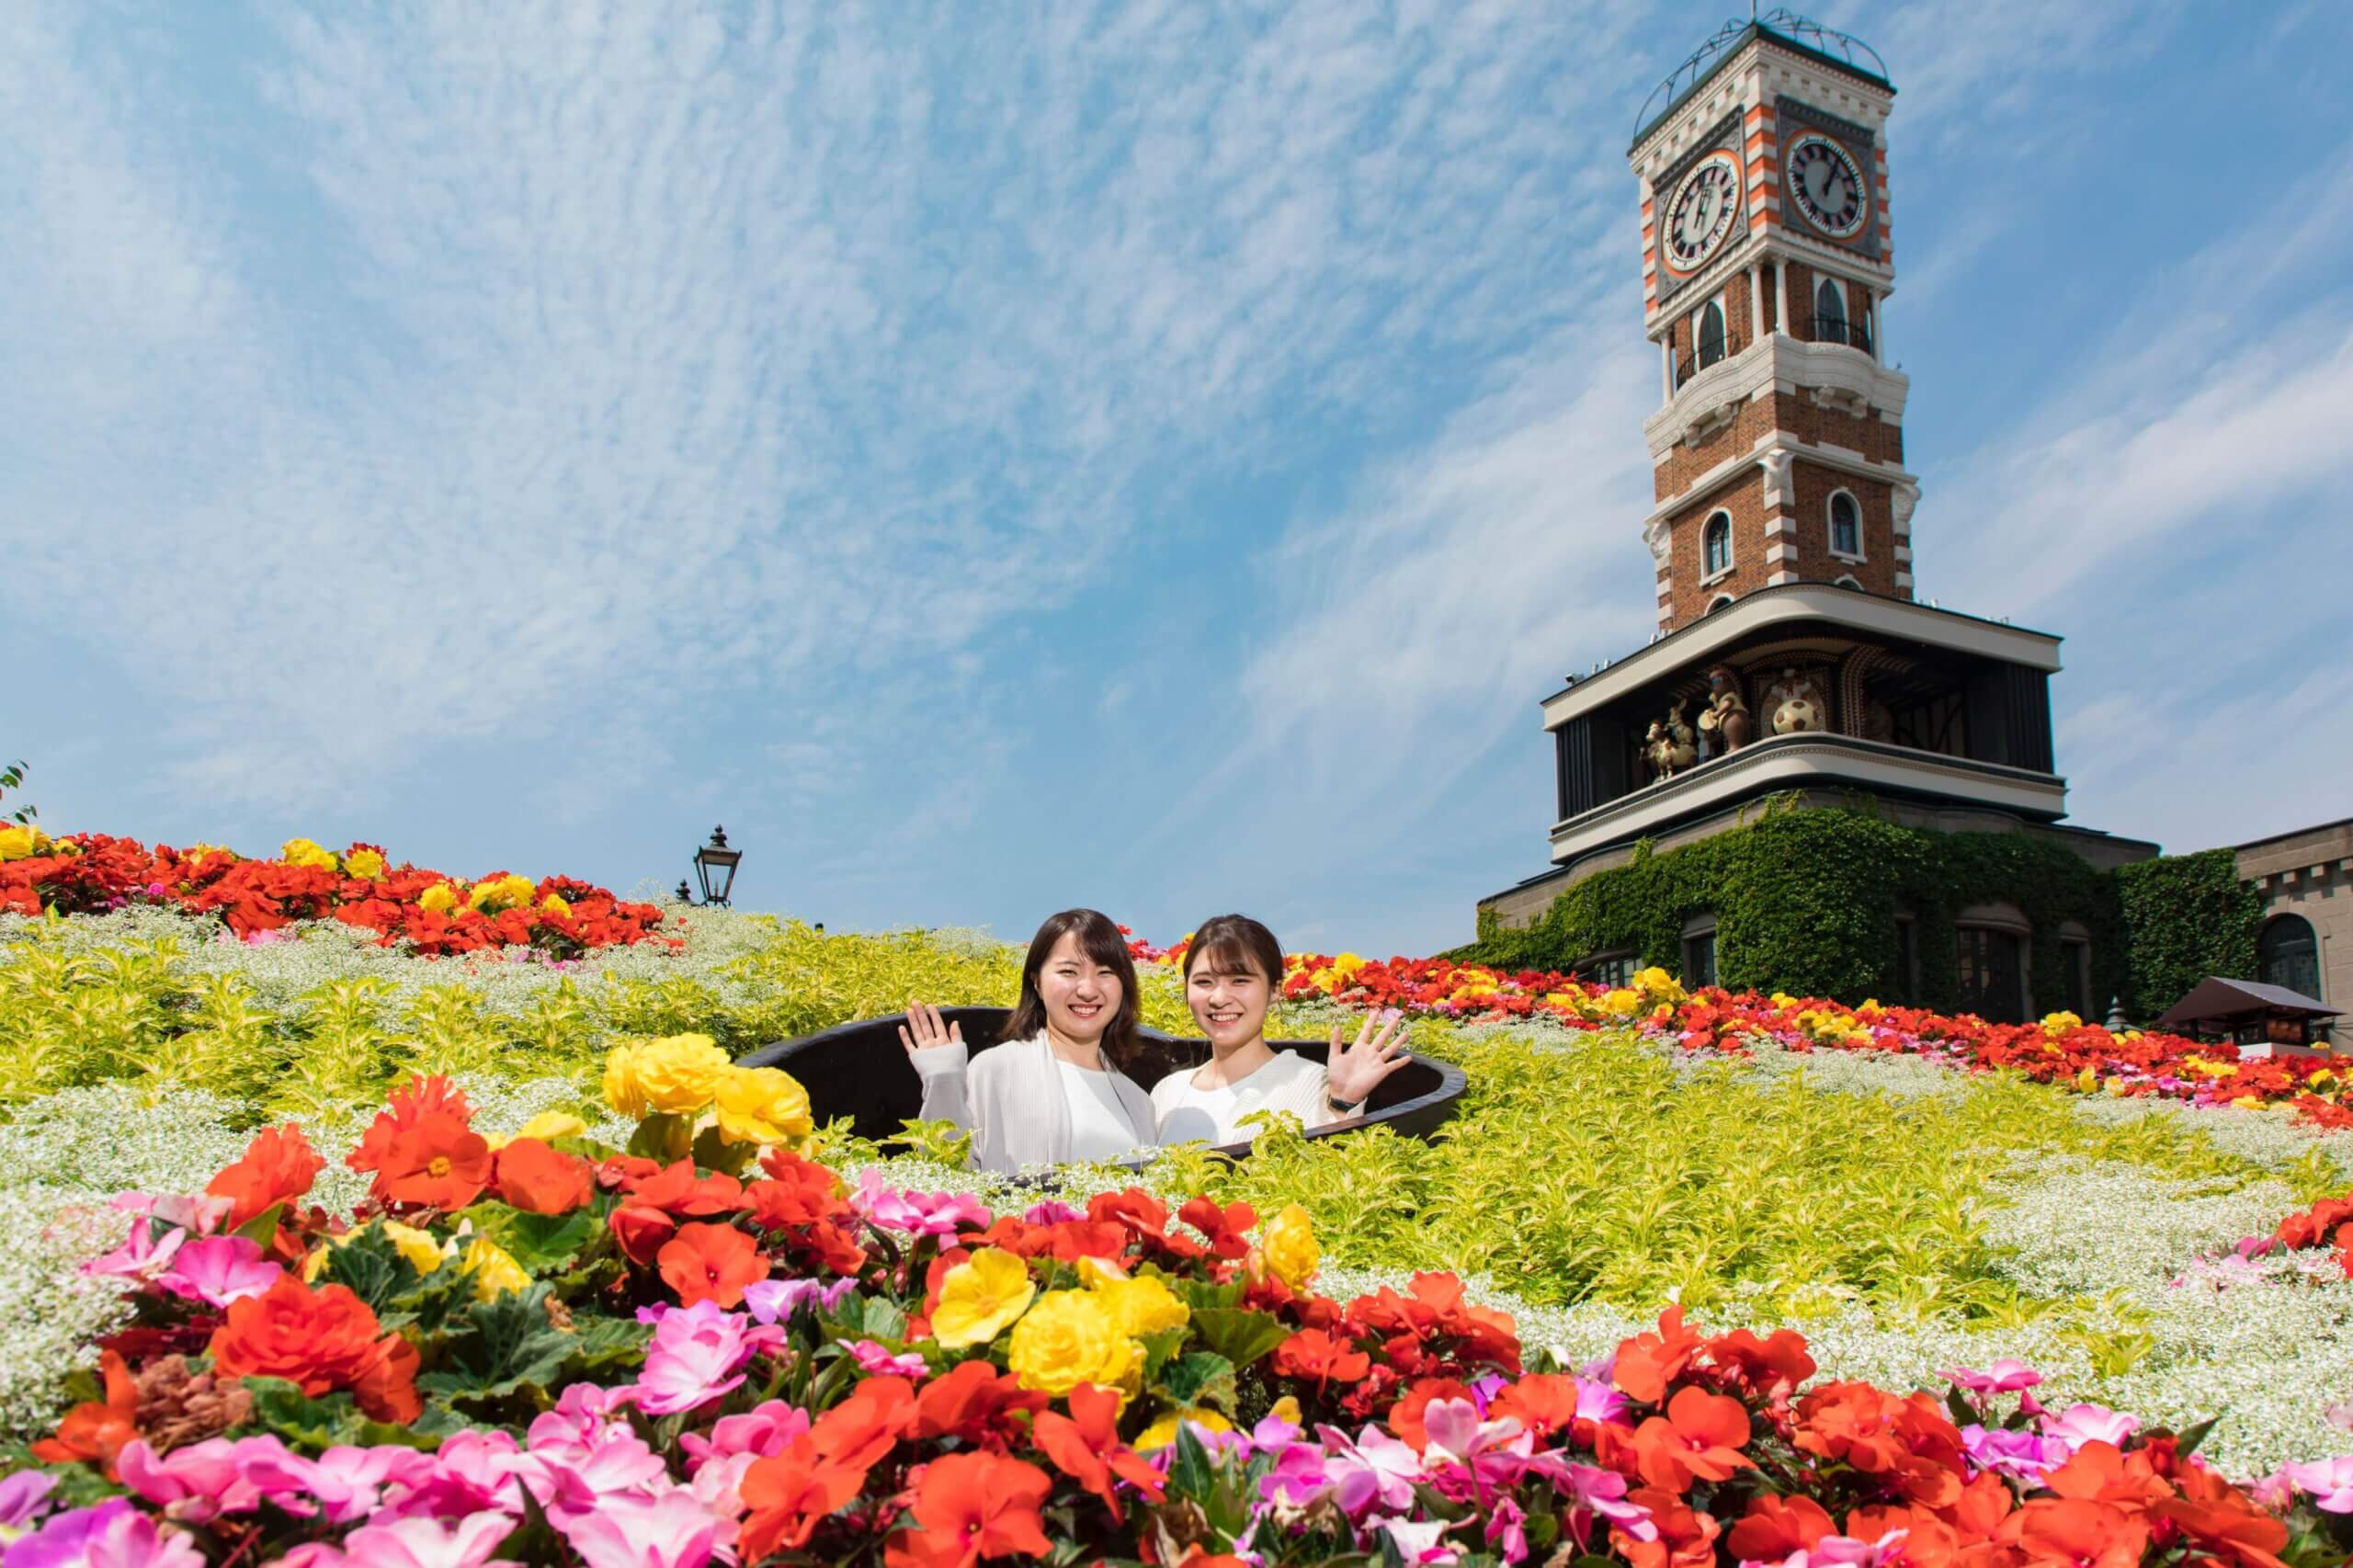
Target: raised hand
x=1352, y=1072
x=924, y=1031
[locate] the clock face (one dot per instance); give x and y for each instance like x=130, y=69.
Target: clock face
x=1702, y=211
x=1824, y=185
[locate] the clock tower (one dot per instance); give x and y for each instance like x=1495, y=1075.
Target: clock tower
x=1778, y=448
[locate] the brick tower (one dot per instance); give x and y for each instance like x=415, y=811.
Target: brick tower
x=1778, y=449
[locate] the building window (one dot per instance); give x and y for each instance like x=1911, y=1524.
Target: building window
x=1715, y=546
x=1829, y=311
x=1992, y=974
x=1846, y=526
x=1613, y=970
x=1712, y=333
x=1716, y=604
x=2076, y=977
x=1700, y=952
x=2286, y=954
x=1846, y=580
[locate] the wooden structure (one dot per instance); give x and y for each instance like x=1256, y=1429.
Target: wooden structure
x=2258, y=1017
x=860, y=1071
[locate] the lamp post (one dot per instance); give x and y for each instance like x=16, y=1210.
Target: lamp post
x=715, y=868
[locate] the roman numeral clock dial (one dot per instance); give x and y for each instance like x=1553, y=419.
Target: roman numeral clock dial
x=1702, y=211
x=1824, y=185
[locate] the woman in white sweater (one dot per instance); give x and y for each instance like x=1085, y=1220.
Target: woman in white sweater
x=1051, y=1091
x=1231, y=969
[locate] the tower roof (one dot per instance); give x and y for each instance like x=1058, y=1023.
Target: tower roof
x=1840, y=52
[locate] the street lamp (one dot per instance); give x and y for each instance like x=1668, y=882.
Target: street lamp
x=715, y=868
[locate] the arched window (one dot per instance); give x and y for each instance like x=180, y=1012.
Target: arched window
x=1846, y=580
x=1716, y=604
x=1829, y=311
x=1712, y=333
x=1846, y=525
x=1715, y=545
x=2286, y=954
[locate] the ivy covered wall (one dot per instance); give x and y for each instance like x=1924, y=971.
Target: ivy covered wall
x=1805, y=901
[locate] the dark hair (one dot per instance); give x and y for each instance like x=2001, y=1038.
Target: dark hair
x=1098, y=938
x=1235, y=942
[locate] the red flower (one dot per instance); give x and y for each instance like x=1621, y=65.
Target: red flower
x=859, y=1431
x=641, y=1232
x=1313, y=1354
x=1225, y=1228
x=1687, y=1537
x=542, y=1179
x=1084, y=1446
x=678, y=1191
x=971, y=1506
x=97, y=1429
x=1405, y=1418
x=1648, y=1362
x=789, y=1495
x=322, y=1340
x=1700, y=1436
x=1542, y=1404
x=2059, y=1532
x=707, y=1262
x=422, y=1149
x=976, y=1404
x=2224, y=1520
x=1772, y=1367
x=278, y=1166
x=1775, y=1527
x=1907, y=1440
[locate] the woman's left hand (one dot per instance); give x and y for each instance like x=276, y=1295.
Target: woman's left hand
x=1352, y=1072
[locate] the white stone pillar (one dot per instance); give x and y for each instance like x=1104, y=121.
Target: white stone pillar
x=1780, y=295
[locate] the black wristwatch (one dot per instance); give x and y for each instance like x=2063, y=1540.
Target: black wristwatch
x=1332, y=1104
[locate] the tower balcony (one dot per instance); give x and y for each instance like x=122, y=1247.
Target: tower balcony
x=1705, y=400
x=1843, y=333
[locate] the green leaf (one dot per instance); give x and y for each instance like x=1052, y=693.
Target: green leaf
x=1240, y=1336
x=263, y=1226
x=302, y=1422
x=714, y=1152
x=1200, y=1295
x=500, y=1345
x=1190, y=1473
x=1963, y=1414
x=1200, y=1378
x=604, y=1342
x=2190, y=1440
x=372, y=1268
x=663, y=1137
x=1159, y=1349
x=541, y=1244
x=884, y=1320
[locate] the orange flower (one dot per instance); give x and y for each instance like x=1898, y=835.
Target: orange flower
x=1700, y=1436
x=95, y=1430
x=1770, y=1366
x=542, y=1179
x=422, y=1149
x=788, y=1496
x=859, y=1431
x=1928, y=1541
x=1312, y=1353
x=2224, y=1520
x=1648, y=1362
x=678, y=1191
x=1908, y=1440
x=642, y=1232
x=278, y=1166
x=2101, y=1472
x=1542, y=1404
x=976, y=1404
x=707, y=1262
x=1775, y=1527
x=2061, y=1532
x=1084, y=1446
x=1687, y=1537
x=322, y=1340
x=1405, y=1415
x=971, y=1506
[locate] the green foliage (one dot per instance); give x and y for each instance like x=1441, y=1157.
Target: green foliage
x=13, y=777
x=1806, y=902
x=2190, y=916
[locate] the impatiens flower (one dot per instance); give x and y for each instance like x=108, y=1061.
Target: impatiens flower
x=775, y=1300
x=1598, y=1494
x=765, y=1430
x=572, y=1476
x=142, y=1254
x=422, y=1149
x=1699, y=1437
x=1310, y=1355
x=1084, y=1446
x=672, y=1530
x=707, y=1262
x=980, y=1298
x=95, y=1430
x=2021, y=1454
x=1505, y=1530
x=2006, y=1376
x=470, y=1542
x=2080, y=1533
x=697, y=1355
x=278, y=1166
x=875, y=1358
x=1298, y=1477
x=1647, y=1363
x=203, y=1479
x=2081, y=1424
x=2330, y=1482
x=762, y=1106
x=528, y=1174
x=115, y=1534
x=1421, y=1541
x=971, y=1506
x=24, y=1496
x=322, y=1340
x=789, y=1495
x=219, y=1271
x=920, y=1213
x=1373, y=1469
x=344, y=1484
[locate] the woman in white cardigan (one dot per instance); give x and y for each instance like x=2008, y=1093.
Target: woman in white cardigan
x=1051, y=1091
x=1232, y=968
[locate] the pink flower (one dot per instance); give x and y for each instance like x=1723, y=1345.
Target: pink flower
x=142, y=1254
x=673, y=1530
x=1422, y=1543
x=1051, y=1211
x=344, y=1483
x=2330, y=1482
x=876, y=1360
x=1505, y=1531
x=411, y=1543
x=473, y=1472
x=1376, y=1468
x=775, y=1300
x=199, y=1212
x=220, y=1269
x=763, y=1431
x=697, y=1355
x=1838, y=1552
x=2006, y=1376
x=1298, y=1478
x=919, y=1213
x=2082, y=1423
x=199, y=1481
x=1597, y=1401
x=1594, y=1492
x=572, y=1476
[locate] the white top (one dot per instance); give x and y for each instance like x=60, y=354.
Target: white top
x=1098, y=1127
x=1291, y=1082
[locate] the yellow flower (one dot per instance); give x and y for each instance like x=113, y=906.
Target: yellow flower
x=761, y=1104
x=424, y=1253
x=1285, y=1409
x=494, y=1270
x=1141, y=1305
x=1067, y=1339
x=675, y=1075
x=510, y=891
x=979, y=1297
x=1289, y=1242
x=1346, y=966
x=302, y=852
x=547, y=1127
x=1658, y=986
x=364, y=863
x=1162, y=1432
x=2087, y=1080
x=1095, y=1272
x=22, y=841
x=2249, y=1102
x=2060, y=1023
x=553, y=904
x=1622, y=1003
x=440, y=898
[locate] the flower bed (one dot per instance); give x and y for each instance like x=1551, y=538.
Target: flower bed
x=706, y=1345
x=426, y=911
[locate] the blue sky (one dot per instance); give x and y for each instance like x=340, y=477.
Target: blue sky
x=1153, y=458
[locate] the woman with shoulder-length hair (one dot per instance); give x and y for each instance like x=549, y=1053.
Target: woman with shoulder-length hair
x=1053, y=1090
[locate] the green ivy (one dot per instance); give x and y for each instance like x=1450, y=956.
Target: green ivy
x=2190, y=916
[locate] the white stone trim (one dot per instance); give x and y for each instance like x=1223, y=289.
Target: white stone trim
x=1830, y=525
x=1778, y=578
x=1782, y=552
x=1774, y=453
x=1775, y=362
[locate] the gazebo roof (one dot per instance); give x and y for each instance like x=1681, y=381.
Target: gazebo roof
x=2214, y=999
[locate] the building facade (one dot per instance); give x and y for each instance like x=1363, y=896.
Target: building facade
x=2306, y=940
